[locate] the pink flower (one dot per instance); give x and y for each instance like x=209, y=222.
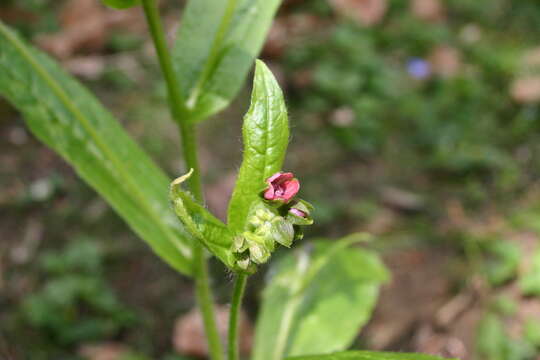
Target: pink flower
x=297, y=212
x=281, y=187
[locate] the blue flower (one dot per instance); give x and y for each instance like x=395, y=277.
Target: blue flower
x=418, y=68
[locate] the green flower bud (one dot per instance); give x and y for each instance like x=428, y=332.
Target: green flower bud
x=258, y=253
x=264, y=214
x=261, y=215
x=268, y=225
x=243, y=262
x=282, y=232
x=239, y=244
x=299, y=213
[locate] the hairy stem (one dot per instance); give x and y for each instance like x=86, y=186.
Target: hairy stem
x=206, y=302
x=188, y=134
x=236, y=304
x=189, y=147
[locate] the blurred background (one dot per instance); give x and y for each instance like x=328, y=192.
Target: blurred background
x=414, y=120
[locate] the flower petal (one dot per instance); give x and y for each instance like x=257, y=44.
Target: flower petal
x=269, y=193
x=285, y=177
x=291, y=189
x=272, y=178
x=298, y=212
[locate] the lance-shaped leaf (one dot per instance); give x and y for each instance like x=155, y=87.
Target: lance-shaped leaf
x=201, y=224
x=317, y=302
x=266, y=135
x=217, y=43
x=368, y=355
x=66, y=117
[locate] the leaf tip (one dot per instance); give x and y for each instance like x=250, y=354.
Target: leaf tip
x=179, y=180
x=262, y=70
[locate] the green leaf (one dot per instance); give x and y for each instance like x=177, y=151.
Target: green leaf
x=66, y=117
x=502, y=263
x=529, y=282
x=531, y=332
x=491, y=339
x=217, y=43
x=266, y=136
x=368, y=355
x=121, y=4
x=201, y=224
x=316, y=303
x=493, y=343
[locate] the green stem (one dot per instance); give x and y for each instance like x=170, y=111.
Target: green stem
x=236, y=304
x=206, y=302
x=158, y=36
x=189, y=147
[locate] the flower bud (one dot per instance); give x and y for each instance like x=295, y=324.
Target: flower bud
x=282, y=232
x=261, y=215
x=258, y=253
x=299, y=213
x=243, y=262
x=239, y=244
x=264, y=214
x=271, y=223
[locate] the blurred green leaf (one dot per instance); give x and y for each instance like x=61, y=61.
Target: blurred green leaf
x=133, y=356
x=491, y=338
x=202, y=225
x=493, y=343
x=82, y=255
x=121, y=4
x=504, y=305
x=316, y=303
x=217, y=43
x=66, y=117
x=75, y=308
x=531, y=332
x=75, y=303
x=503, y=261
x=266, y=136
x=367, y=355
x=529, y=282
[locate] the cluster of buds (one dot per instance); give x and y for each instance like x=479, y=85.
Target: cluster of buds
x=276, y=219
